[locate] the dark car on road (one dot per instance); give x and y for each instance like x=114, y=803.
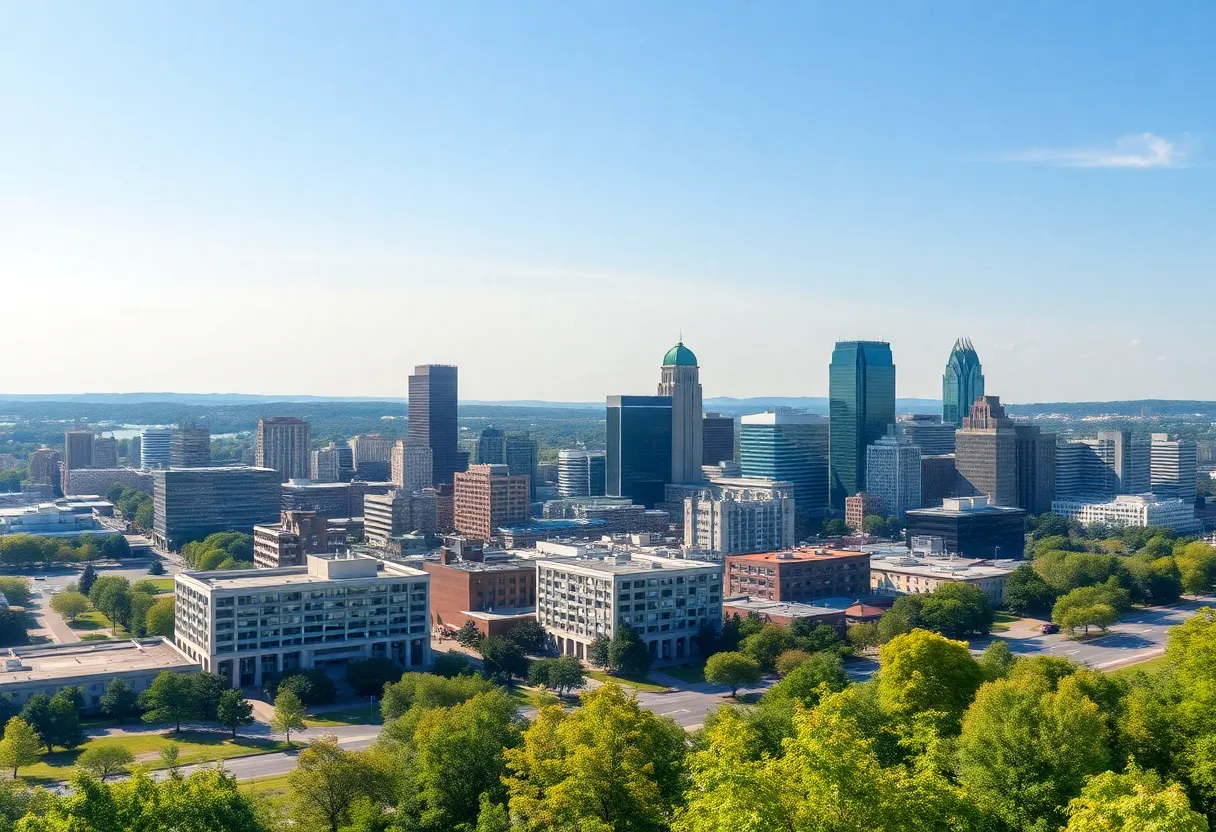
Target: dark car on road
x=1049, y=628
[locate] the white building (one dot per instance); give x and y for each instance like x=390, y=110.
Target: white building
x=154, y=449
x=244, y=624
x=893, y=474
x=324, y=465
x=680, y=379
x=904, y=574
x=1133, y=510
x=667, y=601
x=64, y=518
x=739, y=516
x=1173, y=465
x=578, y=471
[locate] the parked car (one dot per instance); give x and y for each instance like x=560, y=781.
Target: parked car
x=1050, y=628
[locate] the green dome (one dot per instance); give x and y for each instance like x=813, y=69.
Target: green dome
x=679, y=356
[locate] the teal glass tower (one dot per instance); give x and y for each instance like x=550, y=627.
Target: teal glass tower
x=962, y=383
x=861, y=392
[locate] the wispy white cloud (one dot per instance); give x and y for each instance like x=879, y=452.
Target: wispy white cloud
x=1136, y=342
x=1142, y=150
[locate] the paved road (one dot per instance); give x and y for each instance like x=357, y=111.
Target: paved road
x=50, y=622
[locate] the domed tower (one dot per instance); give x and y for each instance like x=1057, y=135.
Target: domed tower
x=681, y=380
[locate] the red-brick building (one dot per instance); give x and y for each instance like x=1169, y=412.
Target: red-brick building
x=487, y=497
x=495, y=596
x=799, y=575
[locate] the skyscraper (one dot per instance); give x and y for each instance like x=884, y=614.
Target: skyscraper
x=1036, y=468
x=282, y=444
x=488, y=498
x=155, y=449
x=520, y=454
x=791, y=447
x=861, y=390
x=893, y=474
x=1174, y=463
x=638, y=461
x=580, y=473
x=680, y=380
x=934, y=436
x=190, y=446
x=962, y=383
x=323, y=465
x=77, y=449
x=105, y=452
x=717, y=439
x=985, y=454
x=490, y=447
x=432, y=419
x=1128, y=461
x=135, y=452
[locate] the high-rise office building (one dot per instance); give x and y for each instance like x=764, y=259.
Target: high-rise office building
x=77, y=449
x=861, y=391
x=105, y=452
x=520, y=454
x=638, y=463
x=386, y=516
x=191, y=503
x=44, y=465
x=580, y=473
x=491, y=447
x=282, y=444
x=893, y=473
x=1094, y=470
x=419, y=472
x=938, y=479
x=432, y=419
x=323, y=465
x=1036, y=468
x=372, y=448
x=488, y=498
x=1126, y=459
x=717, y=439
x=135, y=452
x=985, y=454
x=792, y=447
x=934, y=436
x=1173, y=467
x=680, y=381
x=156, y=447
x=190, y=446
x=346, y=463
x=962, y=383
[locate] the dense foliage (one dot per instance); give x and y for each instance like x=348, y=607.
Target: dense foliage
x=222, y=550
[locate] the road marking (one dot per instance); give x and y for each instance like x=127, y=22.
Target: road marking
x=1073, y=652
x=692, y=727
x=673, y=713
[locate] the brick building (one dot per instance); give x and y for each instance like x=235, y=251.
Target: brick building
x=860, y=506
x=799, y=575
x=495, y=596
x=487, y=497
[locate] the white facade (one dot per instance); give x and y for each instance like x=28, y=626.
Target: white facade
x=154, y=448
x=666, y=601
x=1133, y=510
x=1173, y=466
x=893, y=473
x=573, y=479
x=324, y=465
x=738, y=519
x=682, y=383
x=910, y=575
x=244, y=624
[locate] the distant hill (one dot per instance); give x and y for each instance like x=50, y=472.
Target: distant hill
x=182, y=398
x=814, y=404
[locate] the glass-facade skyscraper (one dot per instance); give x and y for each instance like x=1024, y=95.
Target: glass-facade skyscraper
x=962, y=383
x=432, y=420
x=861, y=392
x=638, y=462
x=792, y=447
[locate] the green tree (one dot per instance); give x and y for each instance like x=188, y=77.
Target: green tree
x=136, y=622
x=529, y=635
x=450, y=664
x=69, y=604
x=734, y=670
x=20, y=747
x=598, y=649
x=790, y=659
x=609, y=765
x=170, y=698
x=37, y=714
x=111, y=595
x=158, y=620
x=119, y=702
x=628, y=654
x=87, y=577
x=996, y=660
x=1090, y=606
x=17, y=591
x=207, y=688
x=864, y=636
x=326, y=783
x=157, y=567
x=368, y=678
x=233, y=710
x=13, y=628
x=1026, y=593
x=425, y=690
x=145, y=515
x=567, y=674
x=503, y=656
x=1136, y=801
x=834, y=527
x=957, y=609
x=288, y=715
x=65, y=719
x=922, y=672
x=170, y=755
x=904, y=616
x=104, y=760
x=766, y=645
x=469, y=636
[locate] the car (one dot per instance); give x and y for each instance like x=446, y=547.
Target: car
x=1049, y=628
x=39, y=578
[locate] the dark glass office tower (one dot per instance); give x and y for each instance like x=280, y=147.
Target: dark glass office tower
x=432, y=419
x=962, y=383
x=861, y=390
x=638, y=462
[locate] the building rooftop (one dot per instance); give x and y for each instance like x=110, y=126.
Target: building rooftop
x=679, y=356
x=762, y=606
x=627, y=564
x=554, y=525
x=964, y=507
x=316, y=572
x=512, y=565
x=803, y=555
x=502, y=613
x=944, y=567
x=67, y=661
x=783, y=418
x=209, y=469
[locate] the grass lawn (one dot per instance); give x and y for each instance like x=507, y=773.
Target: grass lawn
x=1002, y=620
x=691, y=673
x=91, y=620
x=530, y=697
x=1153, y=665
x=637, y=684
x=163, y=585
x=355, y=715
x=271, y=788
x=195, y=746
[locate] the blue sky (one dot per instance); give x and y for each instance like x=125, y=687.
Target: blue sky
x=311, y=198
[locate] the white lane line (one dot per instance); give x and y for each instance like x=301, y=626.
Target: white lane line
x=1073, y=652
x=673, y=713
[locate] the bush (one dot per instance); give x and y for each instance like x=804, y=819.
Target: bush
x=157, y=568
x=312, y=687
x=451, y=664
x=368, y=678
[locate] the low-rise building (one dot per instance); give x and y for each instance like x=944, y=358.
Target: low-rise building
x=799, y=575
x=494, y=594
x=526, y=536
x=827, y=611
x=912, y=574
x=666, y=601
x=859, y=506
x=246, y=624
x=736, y=519
x=101, y=480
x=286, y=543
x=1133, y=510
x=29, y=671
x=972, y=527
x=61, y=518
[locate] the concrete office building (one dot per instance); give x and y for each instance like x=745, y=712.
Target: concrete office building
x=156, y=447
x=520, y=454
x=190, y=447
x=893, y=474
x=191, y=503
x=324, y=466
x=47, y=669
x=580, y=473
x=494, y=595
x=861, y=392
x=928, y=432
x=1097, y=468
x=328, y=499
x=638, y=462
x=665, y=600
x=101, y=480
x=859, y=506
x=44, y=465
x=487, y=497
x=134, y=452
x=432, y=420
x=337, y=609
x=937, y=479
x=372, y=456
x=62, y=518
x=985, y=454
x=397, y=513
x=915, y=575
x=491, y=447
x=962, y=383
x=286, y=543
x=799, y=575
x=972, y=527
x=680, y=381
x=790, y=447
x=1134, y=510
x=77, y=449
x=282, y=444
x=1035, y=468
x=717, y=439
x=419, y=470
x=105, y=452
x=1174, y=464
x=736, y=520
x=1128, y=460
